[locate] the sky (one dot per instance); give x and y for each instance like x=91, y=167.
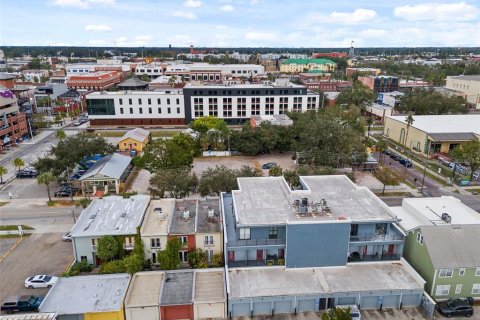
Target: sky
x=240, y=23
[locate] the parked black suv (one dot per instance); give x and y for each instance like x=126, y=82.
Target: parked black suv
x=27, y=174
x=21, y=303
x=455, y=307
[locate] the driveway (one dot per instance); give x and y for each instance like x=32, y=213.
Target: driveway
x=38, y=254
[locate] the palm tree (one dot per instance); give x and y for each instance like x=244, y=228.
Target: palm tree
x=3, y=171
x=409, y=120
x=46, y=178
x=18, y=163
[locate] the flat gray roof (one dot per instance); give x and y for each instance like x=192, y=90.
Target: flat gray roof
x=209, y=285
x=82, y=294
x=469, y=77
x=144, y=290
x=356, y=277
x=181, y=224
x=177, y=288
x=455, y=136
x=158, y=217
x=269, y=201
x=111, y=215
x=204, y=223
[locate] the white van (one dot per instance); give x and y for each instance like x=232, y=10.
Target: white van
x=354, y=311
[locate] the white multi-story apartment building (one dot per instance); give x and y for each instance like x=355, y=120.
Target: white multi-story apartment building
x=141, y=108
x=234, y=103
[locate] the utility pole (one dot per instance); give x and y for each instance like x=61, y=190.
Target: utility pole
x=73, y=215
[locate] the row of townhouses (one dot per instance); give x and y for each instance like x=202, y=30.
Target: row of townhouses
x=286, y=251
x=234, y=103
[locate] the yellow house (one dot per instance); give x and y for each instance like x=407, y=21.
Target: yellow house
x=96, y=297
x=433, y=134
x=135, y=139
x=301, y=65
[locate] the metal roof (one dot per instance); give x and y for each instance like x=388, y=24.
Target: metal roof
x=111, y=215
x=454, y=136
x=453, y=246
x=132, y=82
x=177, y=288
x=138, y=134
x=308, y=61
x=112, y=166
x=86, y=294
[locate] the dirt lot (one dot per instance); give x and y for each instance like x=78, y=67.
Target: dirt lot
x=236, y=162
x=38, y=254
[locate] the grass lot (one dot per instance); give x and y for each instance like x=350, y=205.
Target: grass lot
x=155, y=134
x=11, y=227
x=61, y=203
x=474, y=191
x=9, y=236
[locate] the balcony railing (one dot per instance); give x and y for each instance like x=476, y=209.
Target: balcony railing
x=376, y=237
x=256, y=242
x=373, y=257
x=128, y=246
x=256, y=263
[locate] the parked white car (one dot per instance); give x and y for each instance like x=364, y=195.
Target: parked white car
x=40, y=281
x=67, y=237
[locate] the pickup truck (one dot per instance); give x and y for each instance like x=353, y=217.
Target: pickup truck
x=21, y=303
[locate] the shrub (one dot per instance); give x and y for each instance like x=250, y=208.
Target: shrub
x=115, y=266
x=133, y=263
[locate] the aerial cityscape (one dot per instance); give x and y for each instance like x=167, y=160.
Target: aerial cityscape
x=239, y=159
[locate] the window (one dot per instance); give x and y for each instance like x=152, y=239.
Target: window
x=445, y=273
x=155, y=243
x=283, y=106
x=159, y=110
x=169, y=110
x=121, y=110
x=241, y=107
x=183, y=255
x=213, y=107
x=443, y=290
x=244, y=233
x=255, y=106
x=184, y=240
x=210, y=255
x=158, y=101
x=227, y=107
x=131, y=110
x=461, y=272
x=101, y=107
x=139, y=101
x=178, y=110
x=178, y=101
x=311, y=103
x=154, y=257
x=150, y=110
x=130, y=101
x=272, y=233
x=140, y=110
x=149, y=101
x=420, y=238
x=83, y=258
x=477, y=272
x=297, y=104
x=209, y=241
x=198, y=107
x=458, y=289
x=168, y=100
x=476, y=288
x=120, y=101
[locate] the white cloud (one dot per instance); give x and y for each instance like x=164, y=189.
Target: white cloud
x=260, y=36
x=97, y=42
x=144, y=38
x=459, y=11
x=180, y=40
x=82, y=4
x=357, y=16
x=185, y=15
x=97, y=27
x=138, y=41
x=227, y=8
x=373, y=33
x=192, y=3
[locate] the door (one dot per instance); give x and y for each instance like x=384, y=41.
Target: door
x=344, y=301
x=365, y=250
x=391, y=249
x=130, y=146
x=411, y=300
x=262, y=308
x=369, y=302
x=240, y=309
x=282, y=307
x=306, y=305
x=391, y=301
x=281, y=253
x=259, y=255
x=231, y=256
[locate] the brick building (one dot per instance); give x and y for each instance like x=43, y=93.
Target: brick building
x=97, y=81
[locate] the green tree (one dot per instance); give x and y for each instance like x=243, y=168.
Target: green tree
x=145, y=77
x=381, y=145
x=217, y=180
x=430, y=101
x=387, y=177
x=18, y=163
x=60, y=134
x=108, y=248
x=177, y=183
x=337, y=314
x=3, y=171
x=198, y=259
x=409, y=120
x=46, y=178
x=357, y=95
x=468, y=152
x=248, y=171
x=168, y=258
x=133, y=263
x=84, y=202
x=275, y=172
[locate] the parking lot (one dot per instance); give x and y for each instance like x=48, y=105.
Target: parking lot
x=27, y=188
x=38, y=254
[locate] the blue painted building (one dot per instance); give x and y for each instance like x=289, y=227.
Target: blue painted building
x=330, y=222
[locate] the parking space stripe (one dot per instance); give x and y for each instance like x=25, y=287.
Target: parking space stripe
x=11, y=249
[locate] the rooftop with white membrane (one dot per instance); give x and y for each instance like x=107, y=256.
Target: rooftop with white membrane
x=450, y=123
x=270, y=201
x=111, y=215
x=417, y=212
x=158, y=217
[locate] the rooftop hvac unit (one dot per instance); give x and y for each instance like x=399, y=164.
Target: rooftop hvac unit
x=160, y=213
x=211, y=213
x=186, y=214
x=446, y=217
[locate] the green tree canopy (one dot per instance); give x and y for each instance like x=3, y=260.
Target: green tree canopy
x=46, y=178
x=430, y=101
x=108, y=248
x=468, y=152
x=203, y=124
x=60, y=134
x=168, y=258
x=387, y=177
x=18, y=163
x=198, y=259
x=176, y=183
x=357, y=95
x=222, y=179
x=337, y=314
x=3, y=171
